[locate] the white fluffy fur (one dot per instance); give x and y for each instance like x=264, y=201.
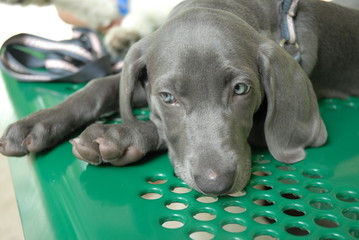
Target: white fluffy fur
x=96, y=13
x=144, y=17
x=147, y=15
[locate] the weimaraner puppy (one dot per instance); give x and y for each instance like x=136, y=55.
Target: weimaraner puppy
x=217, y=82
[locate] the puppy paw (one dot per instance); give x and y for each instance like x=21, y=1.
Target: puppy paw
x=28, y=135
x=114, y=144
x=119, y=39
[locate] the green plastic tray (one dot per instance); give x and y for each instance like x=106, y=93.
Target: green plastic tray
x=60, y=197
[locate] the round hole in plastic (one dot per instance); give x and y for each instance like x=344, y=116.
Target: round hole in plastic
x=207, y=199
x=354, y=232
x=172, y=222
x=332, y=236
x=312, y=173
x=348, y=196
x=234, y=208
x=201, y=234
x=234, y=227
x=263, y=219
x=318, y=187
x=322, y=203
x=297, y=230
x=263, y=201
x=286, y=168
x=204, y=215
x=157, y=179
x=180, y=189
x=152, y=194
x=177, y=204
x=351, y=213
x=288, y=180
x=294, y=210
x=262, y=173
x=327, y=221
x=291, y=194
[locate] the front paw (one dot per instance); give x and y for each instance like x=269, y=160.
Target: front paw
x=119, y=39
x=118, y=145
x=27, y=135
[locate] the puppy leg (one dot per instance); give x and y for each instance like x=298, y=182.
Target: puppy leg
x=133, y=27
x=119, y=39
x=117, y=144
x=46, y=128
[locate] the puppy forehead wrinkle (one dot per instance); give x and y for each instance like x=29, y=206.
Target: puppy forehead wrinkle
x=203, y=29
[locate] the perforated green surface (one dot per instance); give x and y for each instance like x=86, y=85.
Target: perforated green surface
x=61, y=197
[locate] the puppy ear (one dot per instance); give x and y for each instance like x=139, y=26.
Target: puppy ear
x=133, y=73
x=293, y=121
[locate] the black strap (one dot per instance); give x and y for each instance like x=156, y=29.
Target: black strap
x=31, y=58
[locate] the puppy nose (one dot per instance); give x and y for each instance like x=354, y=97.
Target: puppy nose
x=214, y=183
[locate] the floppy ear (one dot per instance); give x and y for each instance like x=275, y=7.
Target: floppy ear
x=293, y=121
x=134, y=70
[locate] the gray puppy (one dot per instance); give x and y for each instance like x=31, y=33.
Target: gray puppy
x=216, y=81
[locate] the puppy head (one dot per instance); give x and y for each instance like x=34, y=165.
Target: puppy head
x=206, y=74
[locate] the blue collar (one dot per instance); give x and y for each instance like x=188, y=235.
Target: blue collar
x=123, y=7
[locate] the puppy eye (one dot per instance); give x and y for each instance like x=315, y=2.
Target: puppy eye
x=241, y=88
x=168, y=98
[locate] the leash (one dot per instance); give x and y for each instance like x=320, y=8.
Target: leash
x=31, y=58
x=287, y=28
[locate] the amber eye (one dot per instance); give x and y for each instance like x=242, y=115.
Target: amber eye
x=168, y=98
x=241, y=88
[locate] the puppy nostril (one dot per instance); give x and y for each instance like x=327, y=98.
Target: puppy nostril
x=214, y=183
